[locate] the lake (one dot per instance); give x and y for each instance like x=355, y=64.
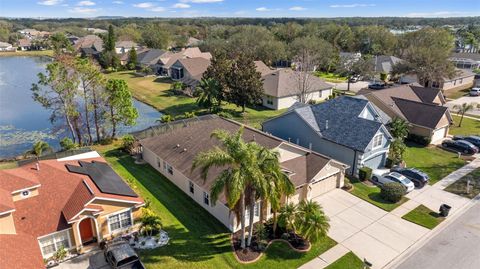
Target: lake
x=24, y=121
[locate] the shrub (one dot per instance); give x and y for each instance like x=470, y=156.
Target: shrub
x=127, y=142
x=60, y=254
x=67, y=144
x=365, y=173
x=383, y=76
x=166, y=118
x=106, y=141
x=389, y=163
x=422, y=140
x=225, y=114
x=188, y=115
x=347, y=184
x=392, y=192
x=312, y=102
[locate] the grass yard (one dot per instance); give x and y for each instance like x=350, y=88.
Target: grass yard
x=27, y=53
x=155, y=92
x=347, y=261
x=459, y=187
x=7, y=165
x=436, y=162
x=469, y=126
x=198, y=240
x=423, y=216
x=331, y=77
x=371, y=194
x=455, y=94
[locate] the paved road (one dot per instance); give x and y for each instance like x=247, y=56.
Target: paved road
x=456, y=247
x=468, y=100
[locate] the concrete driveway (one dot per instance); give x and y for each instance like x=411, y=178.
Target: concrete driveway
x=91, y=260
x=368, y=231
x=465, y=99
x=354, y=87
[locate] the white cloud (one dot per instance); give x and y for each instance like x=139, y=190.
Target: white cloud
x=352, y=5
x=201, y=1
x=262, y=9
x=83, y=10
x=50, y=2
x=297, y=8
x=157, y=9
x=181, y=5
x=439, y=14
x=85, y=3
x=144, y=5
x=118, y=2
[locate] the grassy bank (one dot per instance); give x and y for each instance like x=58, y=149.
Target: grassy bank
x=27, y=53
x=155, y=92
x=469, y=126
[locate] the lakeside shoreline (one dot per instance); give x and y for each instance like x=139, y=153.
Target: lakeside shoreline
x=48, y=53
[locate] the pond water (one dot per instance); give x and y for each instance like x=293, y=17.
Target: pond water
x=24, y=121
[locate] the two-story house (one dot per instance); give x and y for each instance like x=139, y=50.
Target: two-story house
x=348, y=129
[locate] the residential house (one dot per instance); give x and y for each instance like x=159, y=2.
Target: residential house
x=423, y=108
x=348, y=129
x=123, y=47
x=150, y=58
x=463, y=79
x=4, y=46
x=384, y=64
x=96, y=30
x=169, y=58
x=172, y=147
x=466, y=60
x=74, y=202
x=282, y=87
x=24, y=44
x=89, y=41
x=193, y=42
x=189, y=70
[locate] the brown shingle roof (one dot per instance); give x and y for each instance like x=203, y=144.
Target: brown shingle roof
x=77, y=202
x=422, y=114
x=284, y=82
x=6, y=201
x=262, y=68
x=13, y=180
x=20, y=251
x=194, y=66
x=305, y=167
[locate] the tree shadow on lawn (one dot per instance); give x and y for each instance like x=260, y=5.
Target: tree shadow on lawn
x=375, y=196
x=201, y=236
x=435, y=215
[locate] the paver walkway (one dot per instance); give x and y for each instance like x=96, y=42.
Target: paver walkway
x=378, y=235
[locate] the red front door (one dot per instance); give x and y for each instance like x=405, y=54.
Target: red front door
x=86, y=232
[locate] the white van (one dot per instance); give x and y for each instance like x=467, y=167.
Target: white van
x=475, y=92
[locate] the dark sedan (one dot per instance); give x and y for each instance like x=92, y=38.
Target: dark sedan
x=419, y=178
x=376, y=86
x=461, y=146
x=475, y=140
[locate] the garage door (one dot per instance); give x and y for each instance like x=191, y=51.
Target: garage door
x=375, y=162
x=439, y=134
x=323, y=186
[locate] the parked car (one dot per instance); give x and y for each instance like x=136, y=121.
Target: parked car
x=475, y=92
x=355, y=78
x=461, y=146
x=376, y=86
x=419, y=178
x=394, y=177
x=120, y=255
x=475, y=140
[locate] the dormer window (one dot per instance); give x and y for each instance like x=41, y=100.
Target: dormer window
x=377, y=141
x=25, y=194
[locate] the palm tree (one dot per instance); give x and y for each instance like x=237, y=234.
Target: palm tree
x=234, y=179
x=288, y=214
x=311, y=220
x=462, y=109
x=38, y=148
x=210, y=91
x=150, y=222
x=399, y=128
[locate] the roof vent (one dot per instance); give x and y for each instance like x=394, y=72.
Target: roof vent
x=326, y=125
x=178, y=145
x=184, y=149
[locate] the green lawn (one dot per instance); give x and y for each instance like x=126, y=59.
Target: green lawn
x=423, y=216
x=155, y=92
x=371, y=194
x=198, y=240
x=436, y=162
x=347, y=261
x=27, y=53
x=455, y=94
x=459, y=187
x=469, y=126
x=331, y=77
x=7, y=165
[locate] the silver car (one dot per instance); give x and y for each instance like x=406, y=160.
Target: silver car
x=394, y=177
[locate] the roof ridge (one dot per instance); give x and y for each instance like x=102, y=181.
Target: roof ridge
x=416, y=102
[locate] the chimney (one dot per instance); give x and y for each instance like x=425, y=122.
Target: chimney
x=326, y=125
x=37, y=166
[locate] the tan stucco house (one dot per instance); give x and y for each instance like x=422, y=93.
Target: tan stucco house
x=171, y=148
x=74, y=203
x=423, y=108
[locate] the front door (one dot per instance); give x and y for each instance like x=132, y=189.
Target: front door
x=86, y=231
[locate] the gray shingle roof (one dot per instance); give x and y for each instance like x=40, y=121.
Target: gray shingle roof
x=150, y=56
x=338, y=121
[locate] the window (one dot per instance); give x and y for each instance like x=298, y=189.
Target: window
x=51, y=243
x=269, y=100
x=377, y=141
x=206, y=198
x=120, y=221
x=167, y=168
x=25, y=193
x=191, y=187
x=159, y=163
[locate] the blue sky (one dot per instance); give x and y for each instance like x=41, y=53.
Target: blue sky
x=239, y=8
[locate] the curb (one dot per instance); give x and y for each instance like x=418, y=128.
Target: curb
x=426, y=238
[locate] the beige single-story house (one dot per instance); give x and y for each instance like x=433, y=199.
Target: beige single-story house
x=464, y=79
x=189, y=70
x=72, y=203
x=169, y=58
x=122, y=47
x=423, y=108
x=4, y=46
x=172, y=147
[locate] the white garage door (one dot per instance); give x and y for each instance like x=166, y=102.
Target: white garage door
x=323, y=186
x=439, y=134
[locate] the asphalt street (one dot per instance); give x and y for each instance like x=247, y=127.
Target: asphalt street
x=456, y=247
